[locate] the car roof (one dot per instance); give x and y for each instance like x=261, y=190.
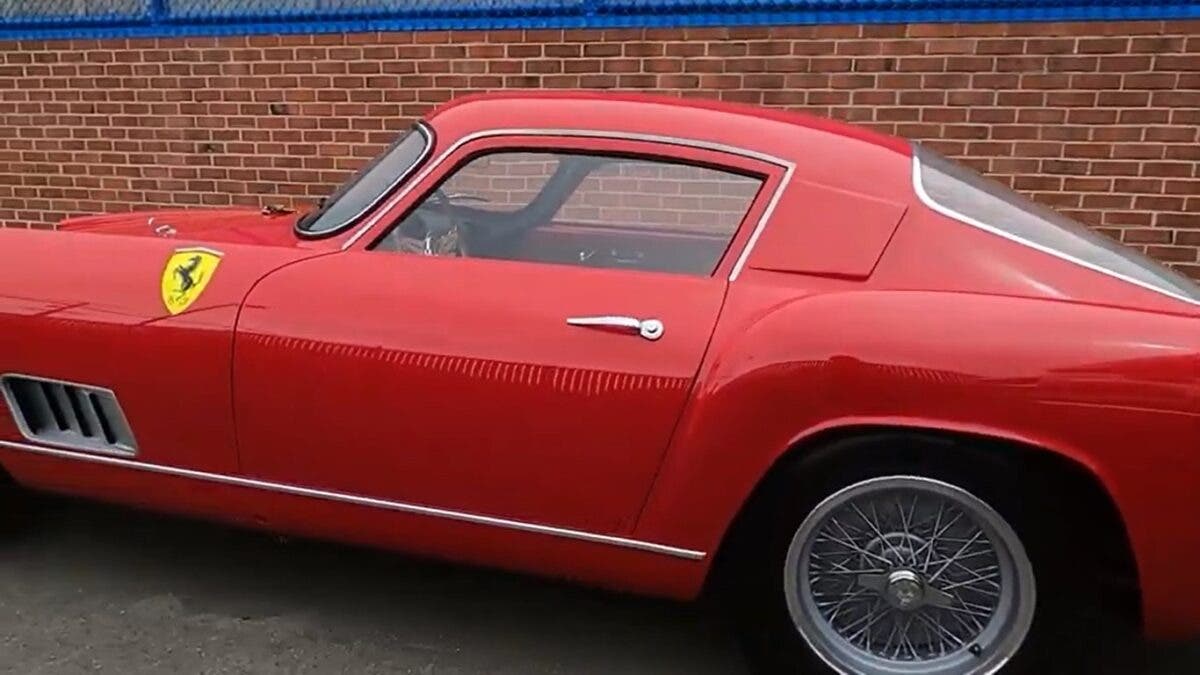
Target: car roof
x=821, y=150
x=672, y=111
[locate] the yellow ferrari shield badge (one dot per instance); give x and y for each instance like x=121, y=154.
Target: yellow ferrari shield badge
x=186, y=275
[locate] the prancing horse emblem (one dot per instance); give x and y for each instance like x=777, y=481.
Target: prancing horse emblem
x=186, y=275
x=185, y=272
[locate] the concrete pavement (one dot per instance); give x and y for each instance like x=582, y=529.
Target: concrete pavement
x=95, y=589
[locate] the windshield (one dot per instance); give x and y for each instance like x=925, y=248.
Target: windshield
x=968, y=196
x=370, y=185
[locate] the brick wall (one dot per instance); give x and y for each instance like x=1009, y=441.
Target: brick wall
x=1100, y=120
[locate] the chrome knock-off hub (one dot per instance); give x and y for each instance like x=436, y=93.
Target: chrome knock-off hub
x=905, y=591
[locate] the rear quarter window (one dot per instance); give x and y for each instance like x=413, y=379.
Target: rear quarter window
x=965, y=195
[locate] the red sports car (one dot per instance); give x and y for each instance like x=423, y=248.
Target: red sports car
x=900, y=418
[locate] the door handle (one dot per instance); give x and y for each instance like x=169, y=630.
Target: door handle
x=650, y=329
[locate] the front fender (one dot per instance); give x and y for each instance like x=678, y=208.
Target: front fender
x=89, y=308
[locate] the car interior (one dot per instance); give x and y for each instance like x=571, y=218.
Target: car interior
x=546, y=218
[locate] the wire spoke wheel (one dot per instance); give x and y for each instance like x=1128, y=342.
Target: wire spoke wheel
x=909, y=575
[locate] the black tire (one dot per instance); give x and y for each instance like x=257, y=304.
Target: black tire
x=1075, y=629
x=18, y=510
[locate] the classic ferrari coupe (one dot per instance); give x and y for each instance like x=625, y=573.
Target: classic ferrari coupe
x=896, y=417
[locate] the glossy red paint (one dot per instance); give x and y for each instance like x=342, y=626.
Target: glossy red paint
x=442, y=406
x=86, y=307
x=851, y=234
x=233, y=226
x=585, y=414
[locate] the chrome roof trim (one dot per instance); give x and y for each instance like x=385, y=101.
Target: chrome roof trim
x=789, y=169
x=929, y=201
x=328, y=495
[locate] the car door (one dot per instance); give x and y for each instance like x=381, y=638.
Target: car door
x=537, y=375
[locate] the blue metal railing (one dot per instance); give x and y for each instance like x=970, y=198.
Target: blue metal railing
x=32, y=19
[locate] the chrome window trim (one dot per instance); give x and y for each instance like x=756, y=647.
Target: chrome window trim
x=389, y=505
x=929, y=201
x=787, y=166
x=422, y=128
x=117, y=450
x=762, y=222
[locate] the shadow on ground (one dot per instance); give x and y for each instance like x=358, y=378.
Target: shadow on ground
x=100, y=589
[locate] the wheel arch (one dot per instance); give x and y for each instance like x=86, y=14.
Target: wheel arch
x=1041, y=466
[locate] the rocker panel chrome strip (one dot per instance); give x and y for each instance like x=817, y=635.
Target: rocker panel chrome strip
x=357, y=500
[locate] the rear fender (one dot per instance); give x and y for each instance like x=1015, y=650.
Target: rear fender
x=1081, y=381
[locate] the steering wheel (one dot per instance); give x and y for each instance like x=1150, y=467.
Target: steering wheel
x=448, y=236
x=432, y=229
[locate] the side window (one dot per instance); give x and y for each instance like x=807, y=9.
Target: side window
x=580, y=209
x=500, y=182
x=662, y=197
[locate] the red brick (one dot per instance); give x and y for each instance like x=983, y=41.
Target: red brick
x=1072, y=64
x=1004, y=47
x=1160, y=203
x=978, y=100
x=1181, y=220
x=1172, y=253
x=1123, y=99
x=1176, y=99
x=1071, y=99
x=1136, y=150
x=1190, y=152
x=1156, y=45
x=1108, y=45
x=884, y=31
x=1168, y=169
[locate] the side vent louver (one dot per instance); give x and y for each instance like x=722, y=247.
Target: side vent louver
x=66, y=414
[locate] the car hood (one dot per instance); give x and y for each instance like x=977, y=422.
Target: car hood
x=237, y=226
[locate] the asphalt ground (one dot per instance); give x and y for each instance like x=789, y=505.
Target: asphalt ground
x=98, y=589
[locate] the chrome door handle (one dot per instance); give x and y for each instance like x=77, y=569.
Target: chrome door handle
x=651, y=329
